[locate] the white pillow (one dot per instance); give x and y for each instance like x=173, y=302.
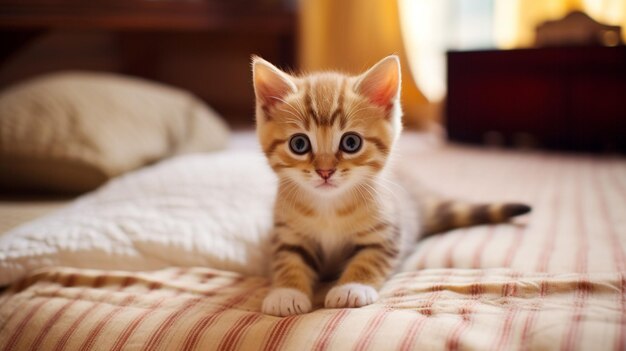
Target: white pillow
x=72, y=131
x=209, y=210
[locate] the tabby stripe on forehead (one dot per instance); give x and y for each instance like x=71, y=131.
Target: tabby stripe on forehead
x=380, y=145
x=309, y=104
x=307, y=123
x=270, y=149
x=343, y=121
x=303, y=253
x=339, y=109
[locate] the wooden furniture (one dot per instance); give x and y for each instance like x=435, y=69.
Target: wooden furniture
x=563, y=98
x=203, y=46
x=146, y=14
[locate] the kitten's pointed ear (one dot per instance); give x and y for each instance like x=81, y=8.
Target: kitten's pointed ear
x=270, y=83
x=381, y=83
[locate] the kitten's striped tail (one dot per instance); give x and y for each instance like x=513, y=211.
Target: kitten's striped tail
x=442, y=215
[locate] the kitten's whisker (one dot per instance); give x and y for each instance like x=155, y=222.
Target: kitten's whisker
x=370, y=190
x=296, y=123
x=362, y=197
x=291, y=190
x=366, y=201
x=356, y=108
x=298, y=117
x=300, y=105
x=378, y=188
x=385, y=180
x=362, y=109
x=380, y=182
x=298, y=112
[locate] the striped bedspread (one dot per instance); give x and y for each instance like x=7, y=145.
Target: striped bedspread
x=555, y=280
x=203, y=309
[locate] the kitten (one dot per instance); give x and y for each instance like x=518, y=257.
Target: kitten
x=341, y=211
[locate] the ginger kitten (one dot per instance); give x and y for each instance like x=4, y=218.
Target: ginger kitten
x=341, y=210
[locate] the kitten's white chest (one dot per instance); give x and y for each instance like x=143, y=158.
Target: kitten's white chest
x=334, y=240
x=335, y=252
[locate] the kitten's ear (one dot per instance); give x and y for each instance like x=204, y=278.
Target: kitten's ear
x=381, y=83
x=270, y=83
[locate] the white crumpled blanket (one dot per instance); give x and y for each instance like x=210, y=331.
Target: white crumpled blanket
x=196, y=210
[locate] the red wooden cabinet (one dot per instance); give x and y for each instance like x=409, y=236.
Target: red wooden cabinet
x=561, y=98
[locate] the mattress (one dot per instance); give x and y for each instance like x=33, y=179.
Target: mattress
x=551, y=280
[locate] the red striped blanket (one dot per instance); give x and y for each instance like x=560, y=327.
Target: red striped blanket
x=204, y=309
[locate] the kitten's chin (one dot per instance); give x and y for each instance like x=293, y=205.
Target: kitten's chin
x=328, y=189
x=326, y=186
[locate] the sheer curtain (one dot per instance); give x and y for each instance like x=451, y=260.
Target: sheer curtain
x=431, y=27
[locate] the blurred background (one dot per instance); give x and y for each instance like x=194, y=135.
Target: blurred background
x=525, y=73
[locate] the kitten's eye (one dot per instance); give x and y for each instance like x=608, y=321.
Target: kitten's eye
x=299, y=144
x=350, y=143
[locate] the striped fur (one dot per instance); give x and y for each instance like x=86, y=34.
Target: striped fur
x=353, y=225
x=442, y=214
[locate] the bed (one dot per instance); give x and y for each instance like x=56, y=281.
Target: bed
x=551, y=280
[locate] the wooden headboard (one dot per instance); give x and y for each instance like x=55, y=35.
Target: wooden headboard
x=200, y=45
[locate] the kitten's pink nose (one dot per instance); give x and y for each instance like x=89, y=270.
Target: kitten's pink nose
x=325, y=173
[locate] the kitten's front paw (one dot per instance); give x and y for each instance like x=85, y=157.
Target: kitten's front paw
x=350, y=295
x=285, y=302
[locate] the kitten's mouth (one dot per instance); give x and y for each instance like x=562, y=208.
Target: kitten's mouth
x=326, y=185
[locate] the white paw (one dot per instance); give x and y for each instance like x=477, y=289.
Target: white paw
x=285, y=302
x=350, y=295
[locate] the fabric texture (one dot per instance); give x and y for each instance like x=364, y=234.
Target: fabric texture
x=553, y=280
x=205, y=309
x=193, y=210
x=72, y=131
